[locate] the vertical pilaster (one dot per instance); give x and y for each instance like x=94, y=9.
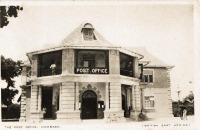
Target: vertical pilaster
x=114, y=65
x=36, y=114
x=135, y=67
x=68, y=61
x=107, y=96
x=115, y=96
x=23, y=106
x=133, y=98
x=34, y=98
x=169, y=94
x=77, y=97
x=39, y=98
x=137, y=98
x=60, y=98
x=34, y=66
x=136, y=101
x=68, y=102
x=64, y=61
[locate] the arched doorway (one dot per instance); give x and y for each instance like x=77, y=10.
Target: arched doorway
x=89, y=105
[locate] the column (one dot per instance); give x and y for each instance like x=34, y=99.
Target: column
x=77, y=97
x=135, y=67
x=34, y=66
x=60, y=97
x=107, y=96
x=114, y=65
x=68, y=102
x=36, y=115
x=133, y=102
x=23, y=106
x=39, y=97
x=116, y=100
x=137, y=98
x=68, y=61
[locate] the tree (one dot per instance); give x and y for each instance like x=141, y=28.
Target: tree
x=7, y=95
x=9, y=70
x=189, y=98
x=6, y=12
x=188, y=102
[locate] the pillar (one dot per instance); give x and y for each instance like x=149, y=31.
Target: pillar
x=77, y=97
x=136, y=101
x=114, y=65
x=36, y=113
x=68, y=61
x=23, y=106
x=116, y=99
x=107, y=100
x=34, y=66
x=68, y=102
x=135, y=67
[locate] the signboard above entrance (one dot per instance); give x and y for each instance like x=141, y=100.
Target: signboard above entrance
x=79, y=70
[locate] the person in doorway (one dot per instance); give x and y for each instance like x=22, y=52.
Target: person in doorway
x=53, y=68
x=184, y=114
x=181, y=112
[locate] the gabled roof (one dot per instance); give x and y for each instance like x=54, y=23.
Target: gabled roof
x=152, y=60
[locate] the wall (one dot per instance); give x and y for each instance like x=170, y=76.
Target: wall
x=99, y=86
x=161, y=91
x=162, y=105
x=160, y=78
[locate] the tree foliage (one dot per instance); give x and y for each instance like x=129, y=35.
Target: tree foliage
x=8, y=11
x=9, y=70
x=189, y=98
x=7, y=95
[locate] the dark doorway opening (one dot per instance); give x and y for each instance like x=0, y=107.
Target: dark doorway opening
x=124, y=104
x=47, y=102
x=89, y=105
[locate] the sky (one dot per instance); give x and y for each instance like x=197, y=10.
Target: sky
x=165, y=30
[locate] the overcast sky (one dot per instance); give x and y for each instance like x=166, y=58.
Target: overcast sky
x=165, y=30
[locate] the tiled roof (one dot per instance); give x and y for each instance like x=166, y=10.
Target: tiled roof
x=153, y=60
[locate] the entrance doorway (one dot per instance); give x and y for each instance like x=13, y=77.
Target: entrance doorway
x=47, y=102
x=89, y=105
x=126, y=100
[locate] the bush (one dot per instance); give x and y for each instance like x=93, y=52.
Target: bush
x=11, y=112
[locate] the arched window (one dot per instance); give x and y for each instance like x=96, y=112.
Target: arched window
x=87, y=31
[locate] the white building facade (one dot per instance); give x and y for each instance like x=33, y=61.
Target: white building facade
x=86, y=77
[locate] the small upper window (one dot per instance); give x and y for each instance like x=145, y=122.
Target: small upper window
x=87, y=31
x=147, y=76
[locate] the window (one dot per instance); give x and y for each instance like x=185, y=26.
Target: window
x=91, y=62
x=149, y=102
x=88, y=34
x=87, y=31
x=50, y=63
x=126, y=65
x=147, y=76
x=85, y=64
